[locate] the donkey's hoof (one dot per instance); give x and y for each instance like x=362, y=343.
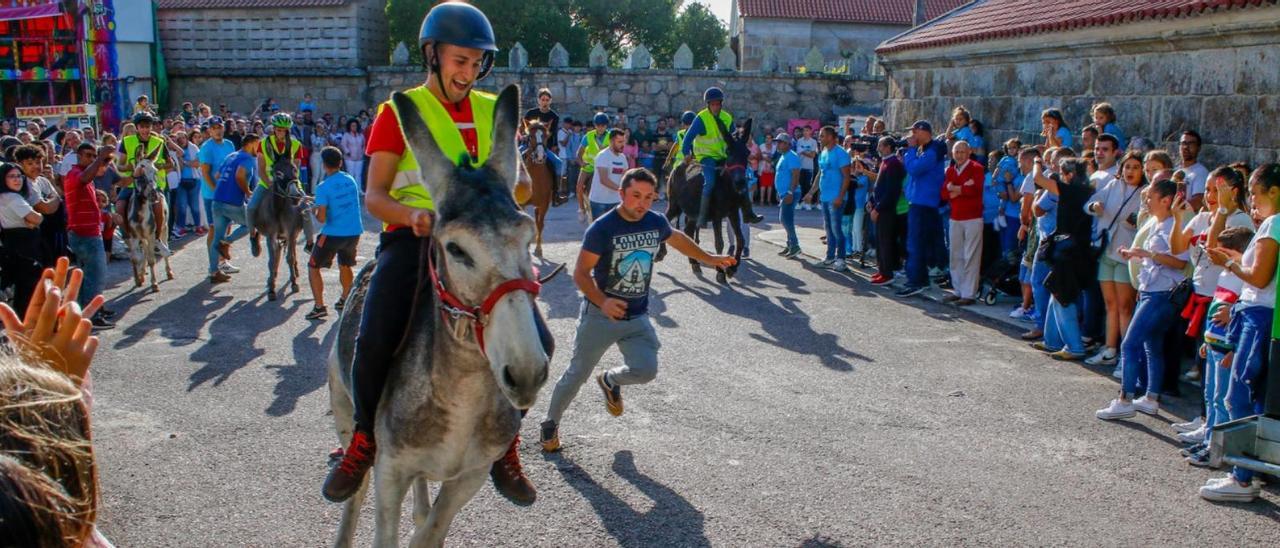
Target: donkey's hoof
x=155, y=288
x=720, y=277
x=169, y=274
x=293, y=288
x=271, y=295
x=537, y=252
x=697, y=269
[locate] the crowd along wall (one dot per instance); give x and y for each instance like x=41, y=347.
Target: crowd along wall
x=1216, y=74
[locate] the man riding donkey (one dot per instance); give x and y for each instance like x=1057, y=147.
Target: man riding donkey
x=707, y=141
x=141, y=145
x=458, y=46
x=283, y=145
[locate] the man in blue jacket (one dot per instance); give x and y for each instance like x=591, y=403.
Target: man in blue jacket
x=925, y=161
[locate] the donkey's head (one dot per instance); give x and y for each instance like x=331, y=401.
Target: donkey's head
x=482, y=240
x=283, y=174
x=735, y=166
x=145, y=172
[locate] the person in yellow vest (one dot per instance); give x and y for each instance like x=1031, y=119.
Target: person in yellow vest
x=705, y=141
x=280, y=140
x=131, y=148
x=458, y=46
x=592, y=143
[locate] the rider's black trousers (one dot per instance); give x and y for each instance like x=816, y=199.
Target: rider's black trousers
x=385, y=316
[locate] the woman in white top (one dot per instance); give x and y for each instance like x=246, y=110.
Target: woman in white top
x=319, y=140
x=1161, y=272
x=19, y=232
x=1250, y=322
x=352, y=146
x=1116, y=208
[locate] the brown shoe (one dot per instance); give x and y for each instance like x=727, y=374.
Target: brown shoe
x=965, y=302
x=219, y=277
x=612, y=395
x=509, y=479
x=345, y=478
x=550, y=436
x=1033, y=335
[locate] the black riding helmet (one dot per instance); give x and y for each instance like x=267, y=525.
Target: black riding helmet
x=461, y=25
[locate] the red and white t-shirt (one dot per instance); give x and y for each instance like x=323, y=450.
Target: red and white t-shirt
x=615, y=164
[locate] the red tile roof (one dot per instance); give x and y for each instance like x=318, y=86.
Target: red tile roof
x=204, y=4
x=996, y=19
x=885, y=12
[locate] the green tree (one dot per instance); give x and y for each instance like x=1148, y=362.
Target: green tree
x=536, y=25
x=703, y=31
x=404, y=19
x=619, y=24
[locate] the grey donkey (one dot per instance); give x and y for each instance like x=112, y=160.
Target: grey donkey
x=280, y=216
x=456, y=386
x=143, y=235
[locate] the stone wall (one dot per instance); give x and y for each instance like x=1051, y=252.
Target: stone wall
x=793, y=38
x=770, y=98
x=205, y=41
x=1217, y=74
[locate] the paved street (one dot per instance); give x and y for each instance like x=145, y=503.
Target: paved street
x=796, y=407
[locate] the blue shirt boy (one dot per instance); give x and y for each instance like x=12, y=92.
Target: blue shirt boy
x=340, y=197
x=830, y=162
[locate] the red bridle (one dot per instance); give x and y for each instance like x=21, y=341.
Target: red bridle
x=452, y=306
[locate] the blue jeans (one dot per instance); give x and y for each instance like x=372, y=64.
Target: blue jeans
x=1216, y=381
x=598, y=209
x=708, y=175
x=1062, y=327
x=1039, y=293
x=223, y=215
x=1093, y=310
x=1145, y=337
x=259, y=192
x=93, y=261
x=187, y=202
x=1242, y=398
x=851, y=228
x=924, y=234
x=208, y=211
x=787, y=216
x=1009, y=236
x=835, y=238
x=557, y=166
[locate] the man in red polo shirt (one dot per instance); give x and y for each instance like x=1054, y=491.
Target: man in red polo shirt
x=458, y=45
x=84, y=223
x=962, y=187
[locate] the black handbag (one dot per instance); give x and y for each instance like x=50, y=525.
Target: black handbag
x=1180, y=294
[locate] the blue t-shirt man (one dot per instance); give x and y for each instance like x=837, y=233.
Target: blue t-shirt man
x=830, y=162
x=626, y=251
x=787, y=162
x=340, y=197
x=228, y=191
x=214, y=153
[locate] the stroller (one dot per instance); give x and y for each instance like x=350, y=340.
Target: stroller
x=1001, y=276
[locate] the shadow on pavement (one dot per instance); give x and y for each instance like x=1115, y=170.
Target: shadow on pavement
x=308, y=371
x=231, y=337
x=820, y=541
x=672, y=521
x=178, y=319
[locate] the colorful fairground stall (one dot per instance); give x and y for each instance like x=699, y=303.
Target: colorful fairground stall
x=79, y=55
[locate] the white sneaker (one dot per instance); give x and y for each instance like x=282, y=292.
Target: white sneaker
x=1229, y=490
x=1194, y=436
x=840, y=267
x=1106, y=356
x=163, y=250
x=827, y=263
x=1017, y=313
x=1117, y=409
x=1118, y=373
x=1190, y=426
x=228, y=268
x=1147, y=406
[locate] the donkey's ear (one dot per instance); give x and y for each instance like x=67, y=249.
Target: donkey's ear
x=433, y=167
x=504, y=155
x=746, y=130
x=155, y=154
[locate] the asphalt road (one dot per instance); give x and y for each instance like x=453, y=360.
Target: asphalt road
x=795, y=407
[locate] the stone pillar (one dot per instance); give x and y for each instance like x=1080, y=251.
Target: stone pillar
x=726, y=59
x=598, y=58
x=559, y=57
x=683, y=58
x=770, y=61
x=401, y=55
x=639, y=58
x=519, y=58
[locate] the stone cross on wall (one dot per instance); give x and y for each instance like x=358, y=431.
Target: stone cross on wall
x=598, y=57
x=814, y=62
x=519, y=58
x=683, y=58
x=401, y=55
x=639, y=58
x=559, y=57
x=770, y=61
x=726, y=59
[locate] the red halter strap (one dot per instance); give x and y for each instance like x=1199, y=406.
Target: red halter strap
x=452, y=306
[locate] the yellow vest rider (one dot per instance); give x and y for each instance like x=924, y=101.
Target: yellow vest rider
x=131, y=149
x=457, y=46
x=706, y=143
x=273, y=148
x=592, y=143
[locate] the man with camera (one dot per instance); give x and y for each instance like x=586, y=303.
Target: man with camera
x=925, y=162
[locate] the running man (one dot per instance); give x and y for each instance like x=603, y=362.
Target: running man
x=337, y=206
x=613, y=272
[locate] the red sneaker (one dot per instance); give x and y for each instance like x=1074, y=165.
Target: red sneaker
x=881, y=279
x=345, y=478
